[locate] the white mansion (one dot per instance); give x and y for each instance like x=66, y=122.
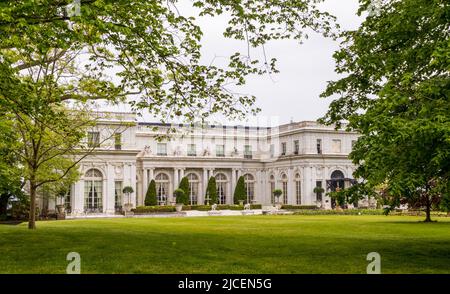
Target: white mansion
x=294, y=157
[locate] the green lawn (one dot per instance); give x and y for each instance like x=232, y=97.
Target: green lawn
x=251, y=244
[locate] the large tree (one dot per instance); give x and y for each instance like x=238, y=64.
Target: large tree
x=144, y=52
x=147, y=51
x=395, y=92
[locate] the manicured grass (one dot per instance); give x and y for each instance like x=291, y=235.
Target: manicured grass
x=251, y=244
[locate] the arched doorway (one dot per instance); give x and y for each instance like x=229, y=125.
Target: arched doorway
x=193, y=188
x=336, y=182
x=93, y=191
x=249, y=182
x=221, y=184
x=162, y=188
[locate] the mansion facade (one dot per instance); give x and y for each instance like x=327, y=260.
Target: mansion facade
x=294, y=157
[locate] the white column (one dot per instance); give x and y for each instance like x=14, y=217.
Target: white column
x=233, y=185
x=290, y=187
x=258, y=190
x=201, y=196
x=176, y=181
x=133, y=183
x=78, y=195
x=109, y=204
x=145, y=183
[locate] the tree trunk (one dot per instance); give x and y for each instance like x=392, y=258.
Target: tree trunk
x=32, y=217
x=428, y=210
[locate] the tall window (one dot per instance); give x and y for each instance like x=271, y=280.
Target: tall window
x=298, y=189
x=118, y=141
x=272, y=187
x=283, y=148
x=193, y=188
x=161, y=149
x=221, y=182
x=118, y=195
x=296, y=147
x=220, y=150
x=319, y=195
x=192, y=150
x=284, y=185
x=249, y=187
x=248, y=151
x=336, y=146
x=272, y=150
x=68, y=200
x=319, y=146
x=93, y=139
x=93, y=188
x=162, y=188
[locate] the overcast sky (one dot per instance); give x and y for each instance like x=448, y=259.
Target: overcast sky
x=304, y=68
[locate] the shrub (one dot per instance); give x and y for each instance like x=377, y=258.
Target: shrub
x=211, y=190
x=184, y=185
x=340, y=212
x=179, y=196
x=150, y=196
x=150, y=209
x=286, y=206
x=219, y=207
x=239, y=191
x=277, y=193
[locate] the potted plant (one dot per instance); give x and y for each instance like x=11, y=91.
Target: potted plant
x=179, y=195
x=128, y=190
x=277, y=193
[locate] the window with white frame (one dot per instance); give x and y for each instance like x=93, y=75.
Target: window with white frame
x=296, y=147
x=249, y=182
x=272, y=188
x=283, y=148
x=193, y=188
x=248, y=151
x=162, y=188
x=118, y=195
x=221, y=184
x=161, y=149
x=192, y=150
x=93, y=139
x=298, y=189
x=220, y=150
x=93, y=191
x=284, y=185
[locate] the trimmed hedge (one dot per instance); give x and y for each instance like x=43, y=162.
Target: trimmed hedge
x=286, y=206
x=219, y=207
x=148, y=209
x=340, y=212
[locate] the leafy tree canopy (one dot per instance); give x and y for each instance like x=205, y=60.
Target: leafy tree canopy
x=395, y=92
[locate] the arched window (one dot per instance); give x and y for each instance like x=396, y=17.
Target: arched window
x=249, y=187
x=162, y=188
x=93, y=188
x=284, y=185
x=337, y=174
x=272, y=188
x=298, y=189
x=193, y=188
x=221, y=183
x=337, y=180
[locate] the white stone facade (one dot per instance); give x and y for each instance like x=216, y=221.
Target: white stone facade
x=294, y=157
